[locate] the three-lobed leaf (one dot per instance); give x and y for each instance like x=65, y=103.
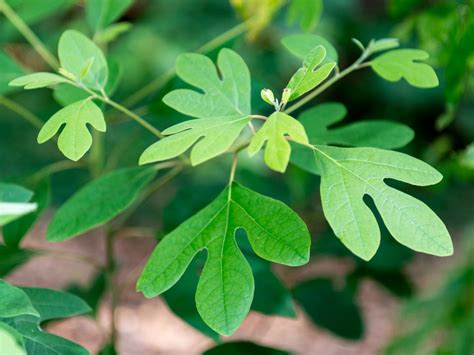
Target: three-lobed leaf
x=318, y=120
x=75, y=139
x=405, y=63
x=98, y=202
x=225, y=290
x=348, y=174
x=274, y=133
x=311, y=74
x=223, y=109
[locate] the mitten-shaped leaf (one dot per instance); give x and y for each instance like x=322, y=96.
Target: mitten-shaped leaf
x=223, y=109
x=98, y=202
x=348, y=174
x=75, y=139
x=317, y=122
x=403, y=63
x=81, y=57
x=225, y=290
x=274, y=132
x=38, y=80
x=311, y=74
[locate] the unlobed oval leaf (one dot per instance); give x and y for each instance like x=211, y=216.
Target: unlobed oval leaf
x=38, y=80
x=318, y=120
x=301, y=44
x=98, y=202
x=77, y=52
x=14, y=302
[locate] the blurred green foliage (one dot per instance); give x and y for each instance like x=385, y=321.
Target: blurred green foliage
x=442, y=120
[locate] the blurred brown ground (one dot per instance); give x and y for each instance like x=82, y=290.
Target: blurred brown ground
x=147, y=327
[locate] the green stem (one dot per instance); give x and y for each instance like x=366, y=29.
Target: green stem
x=168, y=75
x=29, y=35
x=111, y=285
x=21, y=111
x=355, y=66
x=55, y=168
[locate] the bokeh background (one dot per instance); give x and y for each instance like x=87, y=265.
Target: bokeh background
x=400, y=302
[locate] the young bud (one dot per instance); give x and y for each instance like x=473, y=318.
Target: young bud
x=267, y=96
x=67, y=74
x=285, y=96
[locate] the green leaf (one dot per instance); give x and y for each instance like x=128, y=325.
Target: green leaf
x=348, y=174
x=404, y=63
x=53, y=304
x=11, y=342
x=11, y=258
x=274, y=132
x=306, y=12
x=112, y=32
x=38, y=80
x=10, y=70
x=318, y=120
x=98, y=202
x=14, y=232
x=301, y=44
x=75, y=52
x=14, y=302
x=242, y=347
x=223, y=109
x=383, y=44
x=75, y=139
x=32, y=11
x=101, y=13
x=311, y=74
x=225, y=290
x=14, y=202
x=50, y=304
x=330, y=308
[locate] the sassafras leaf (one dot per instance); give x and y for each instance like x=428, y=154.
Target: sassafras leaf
x=405, y=63
x=77, y=52
x=75, y=139
x=223, y=109
x=311, y=74
x=38, y=80
x=225, y=290
x=318, y=120
x=274, y=132
x=98, y=202
x=348, y=174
